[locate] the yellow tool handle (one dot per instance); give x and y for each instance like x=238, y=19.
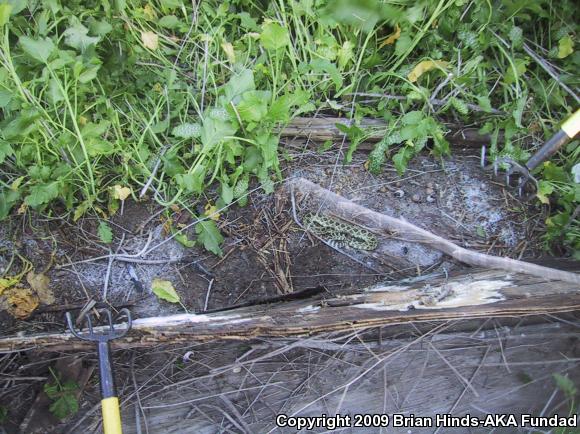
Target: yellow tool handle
x=572, y=125
x=111, y=416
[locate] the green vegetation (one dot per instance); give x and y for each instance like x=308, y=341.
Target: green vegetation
x=63, y=396
x=93, y=94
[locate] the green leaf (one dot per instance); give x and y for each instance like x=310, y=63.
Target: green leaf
x=8, y=199
x=182, y=239
x=227, y=193
x=214, y=130
x=89, y=74
x=100, y=28
x=38, y=49
x=187, y=130
x=565, y=47
x=164, y=290
x=65, y=406
x=5, y=98
x=105, y=233
x=566, y=385
x=192, y=182
x=254, y=105
x=42, y=193
x=209, y=235
x=237, y=85
x=5, y=151
x=327, y=67
x=77, y=37
x=5, y=10
x=169, y=22
x=274, y=36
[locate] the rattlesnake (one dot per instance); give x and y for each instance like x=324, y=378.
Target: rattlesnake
x=340, y=233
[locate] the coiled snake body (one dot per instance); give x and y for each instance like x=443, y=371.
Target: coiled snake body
x=340, y=233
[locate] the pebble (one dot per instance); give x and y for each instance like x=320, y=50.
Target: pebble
x=430, y=185
x=416, y=198
x=430, y=199
x=383, y=189
x=399, y=193
x=429, y=191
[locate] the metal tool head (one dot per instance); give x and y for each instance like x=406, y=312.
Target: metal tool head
x=105, y=332
x=525, y=180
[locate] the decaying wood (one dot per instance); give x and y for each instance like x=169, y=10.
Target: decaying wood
x=390, y=226
x=320, y=129
x=479, y=294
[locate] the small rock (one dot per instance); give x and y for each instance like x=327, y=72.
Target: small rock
x=398, y=184
x=399, y=193
x=429, y=191
x=416, y=198
x=383, y=189
x=430, y=199
x=430, y=185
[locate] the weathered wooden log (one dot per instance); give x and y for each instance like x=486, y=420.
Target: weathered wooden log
x=478, y=294
x=320, y=129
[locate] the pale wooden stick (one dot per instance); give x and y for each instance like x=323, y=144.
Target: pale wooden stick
x=345, y=208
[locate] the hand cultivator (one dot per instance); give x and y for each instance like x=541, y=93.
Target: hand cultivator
x=102, y=336
x=567, y=132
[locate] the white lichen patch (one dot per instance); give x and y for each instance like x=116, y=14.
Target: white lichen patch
x=183, y=319
x=388, y=288
x=309, y=309
x=447, y=295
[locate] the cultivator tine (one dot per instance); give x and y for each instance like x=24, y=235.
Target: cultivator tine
x=106, y=333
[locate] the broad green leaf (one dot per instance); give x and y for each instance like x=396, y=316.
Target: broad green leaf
x=237, y=85
x=545, y=189
x=164, y=290
x=92, y=129
x=38, y=49
x=171, y=4
x=5, y=98
x=209, y=235
x=214, y=130
x=42, y=194
x=100, y=28
x=325, y=66
x=565, y=47
x=8, y=199
x=274, y=36
x=5, y=150
x=512, y=75
x=77, y=37
x=54, y=92
x=182, y=239
x=412, y=118
x=280, y=109
x=169, y=22
x=192, y=182
x=89, y=74
x=96, y=146
x=105, y=233
x=227, y=193
x=5, y=10
x=187, y=130
x=254, y=105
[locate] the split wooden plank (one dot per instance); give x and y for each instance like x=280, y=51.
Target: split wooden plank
x=473, y=295
x=324, y=128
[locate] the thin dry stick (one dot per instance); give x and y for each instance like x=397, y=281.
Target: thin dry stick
x=381, y=222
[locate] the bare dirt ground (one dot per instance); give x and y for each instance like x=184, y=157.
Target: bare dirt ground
x=265, y=251
x=266, y=254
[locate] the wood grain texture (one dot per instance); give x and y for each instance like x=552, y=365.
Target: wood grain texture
x=478, y=294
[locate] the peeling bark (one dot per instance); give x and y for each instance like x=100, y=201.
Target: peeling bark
x=479, y=294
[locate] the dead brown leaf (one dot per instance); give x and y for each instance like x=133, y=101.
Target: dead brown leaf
x=391, y=39
x=40, y=284
x=424, y=66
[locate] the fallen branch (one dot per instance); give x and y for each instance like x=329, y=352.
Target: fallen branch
x=480, y=294
x=324, y=128
x=390, y=225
